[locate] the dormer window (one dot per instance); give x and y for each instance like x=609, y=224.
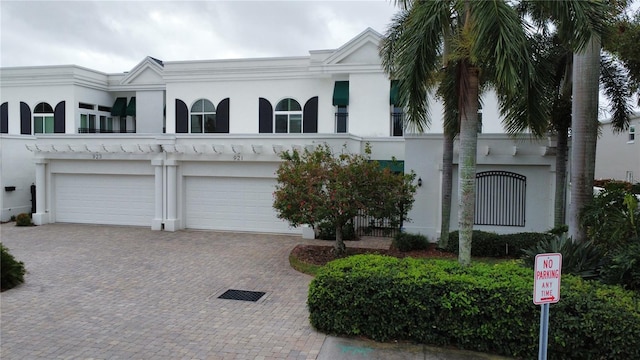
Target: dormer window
x=43, y=119
x=203, y=117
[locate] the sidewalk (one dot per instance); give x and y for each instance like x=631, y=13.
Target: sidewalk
x=335, y=348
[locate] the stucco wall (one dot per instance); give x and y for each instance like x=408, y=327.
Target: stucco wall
x=17, y=169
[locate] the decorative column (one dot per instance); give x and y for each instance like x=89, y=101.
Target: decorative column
x=41, y=215
x=156, y=223
x=172, y=223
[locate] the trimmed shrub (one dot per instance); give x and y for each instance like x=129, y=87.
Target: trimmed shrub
x=481, y=307
x=490, y=244
x=11, y=270
x=23, y=219
x=327, y=231
x=408, y=242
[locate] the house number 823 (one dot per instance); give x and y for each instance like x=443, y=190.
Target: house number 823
x=97, y=156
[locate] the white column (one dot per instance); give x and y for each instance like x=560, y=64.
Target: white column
x=156, y=223
x=41, y=216
x=172, y=223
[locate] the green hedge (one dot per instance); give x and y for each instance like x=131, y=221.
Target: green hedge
x=483, y=308
x=490, y=244
x=408, y=242
x=11, y=270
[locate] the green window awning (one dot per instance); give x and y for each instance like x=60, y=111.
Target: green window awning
x=131, y=108
x=341, y=93
x=393, y=93
x=119, y=107
x=396, y=166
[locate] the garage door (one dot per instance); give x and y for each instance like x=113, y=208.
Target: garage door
x=104, y=199
x=236, y=204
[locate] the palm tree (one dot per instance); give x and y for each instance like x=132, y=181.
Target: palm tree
x=483, y=41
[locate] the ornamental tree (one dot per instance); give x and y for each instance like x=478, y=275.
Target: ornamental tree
x=320, y=186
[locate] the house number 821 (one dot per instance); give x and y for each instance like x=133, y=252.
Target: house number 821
x=237, y=157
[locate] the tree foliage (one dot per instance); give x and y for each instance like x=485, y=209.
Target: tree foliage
x=319, y=186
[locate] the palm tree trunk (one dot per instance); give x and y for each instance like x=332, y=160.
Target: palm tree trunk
x=339, y=248
x=447, y=185
x=467, y=165
x=562, y=151
x=584, y=132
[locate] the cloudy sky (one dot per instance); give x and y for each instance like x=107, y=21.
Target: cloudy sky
x=113, y=36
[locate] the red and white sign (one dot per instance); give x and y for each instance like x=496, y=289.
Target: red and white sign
x=546, y=286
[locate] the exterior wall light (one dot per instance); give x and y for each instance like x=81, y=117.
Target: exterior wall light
x=420, y=182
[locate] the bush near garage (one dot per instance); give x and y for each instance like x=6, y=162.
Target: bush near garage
x=488, y=244
x=23, y=219
x=482, y=307
x=11, y=270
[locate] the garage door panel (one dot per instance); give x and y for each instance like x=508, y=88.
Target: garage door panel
x=236, y=204
x=104, y=199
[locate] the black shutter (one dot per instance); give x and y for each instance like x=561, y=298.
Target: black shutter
x=222, y=116
x=25, y=119
x=265, y=116
x=182, y=117
x=58, y=118
x=310, y=116
x=4, y=118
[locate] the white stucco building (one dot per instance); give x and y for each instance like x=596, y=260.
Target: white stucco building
x=618, y=153
x=195, y=144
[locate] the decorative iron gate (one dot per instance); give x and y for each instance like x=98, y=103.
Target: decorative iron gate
x=500, y=198
x=370, y=226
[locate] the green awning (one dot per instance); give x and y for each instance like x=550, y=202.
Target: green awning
x=396, y=166
x=119, y=107
x=131, y=108
x=341, y=93
x=393, y=93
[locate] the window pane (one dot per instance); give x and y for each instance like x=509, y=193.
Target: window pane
x=288, y=105
x=197, y=106
x=208, y=106
x=281, y=123
x=83, y=121
x=196, y=123
x=341, y=122
x=109, y=126
x=48, y=124
x=210, y=123
x=92, y=121
x=43, y=108
x=37, y=122
x=295, y=123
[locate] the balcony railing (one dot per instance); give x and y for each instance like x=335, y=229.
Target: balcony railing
x=342, y=119
x=397, y=124
x=104, y=131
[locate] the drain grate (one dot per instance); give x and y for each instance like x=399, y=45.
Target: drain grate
x=243, y=295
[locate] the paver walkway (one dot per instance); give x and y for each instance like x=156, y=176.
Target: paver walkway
x=109, y=292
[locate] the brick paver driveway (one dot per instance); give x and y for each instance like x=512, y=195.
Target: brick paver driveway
x=107, y=292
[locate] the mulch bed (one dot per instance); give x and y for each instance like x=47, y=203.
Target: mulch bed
x=320, y=255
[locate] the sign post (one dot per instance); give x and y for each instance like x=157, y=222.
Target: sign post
x=546, y=290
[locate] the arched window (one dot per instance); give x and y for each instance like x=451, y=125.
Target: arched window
x=203, y=117
x=43, y=119
x=288, y=117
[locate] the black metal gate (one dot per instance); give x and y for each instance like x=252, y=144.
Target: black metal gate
x=500, y=198
x=370, y=226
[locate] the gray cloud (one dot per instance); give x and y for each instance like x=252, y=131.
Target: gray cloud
x=113, y=36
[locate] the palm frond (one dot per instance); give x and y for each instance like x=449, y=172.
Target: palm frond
x=614, y=79
x=412, y=54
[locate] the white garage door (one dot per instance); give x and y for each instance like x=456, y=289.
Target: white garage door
x=236, y=204
x=104, y=199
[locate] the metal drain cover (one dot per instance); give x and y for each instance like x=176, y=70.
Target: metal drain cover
x=243, y=295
